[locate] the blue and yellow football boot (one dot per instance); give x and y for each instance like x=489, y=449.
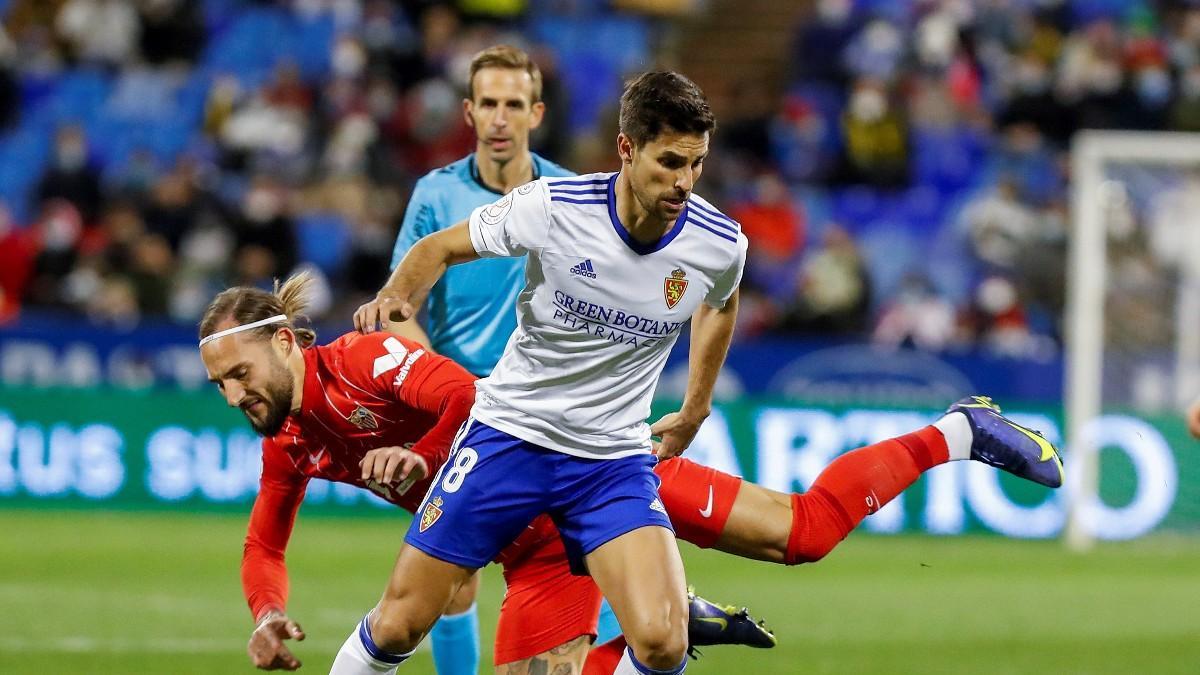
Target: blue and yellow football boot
x=712, y=624
x=1004, y=444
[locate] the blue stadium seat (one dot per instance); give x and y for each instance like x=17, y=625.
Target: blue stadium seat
x=323, y=240
x=252, y=44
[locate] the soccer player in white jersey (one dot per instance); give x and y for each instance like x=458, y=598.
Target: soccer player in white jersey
x=617, y=264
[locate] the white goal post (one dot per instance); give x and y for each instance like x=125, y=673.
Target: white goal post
x=1087, y=274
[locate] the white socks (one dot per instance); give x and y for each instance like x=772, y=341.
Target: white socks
x=957, y=432
x=360, y=656
x=628, y=665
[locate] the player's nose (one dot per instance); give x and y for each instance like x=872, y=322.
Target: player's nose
x=685, y=179
x=234, y=394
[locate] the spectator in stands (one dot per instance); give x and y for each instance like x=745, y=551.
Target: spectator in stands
x=820, y=40
x=874, y=137
x=916, y=317
x=10, y=93
x=1029, y=99
x=999, y=225
x=1185, y=111
x=264, y=233
x=745, y=131
x=172, y=31
x=104, y=32
x=17, y=251
x=775, y=226
x=70, y=176
x=56, y=238
x=996, y=321
x=173, y=206
x=832, y=289
x=151, y=274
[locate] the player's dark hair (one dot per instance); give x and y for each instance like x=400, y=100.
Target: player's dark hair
x=243, y=305
x=505, y=56
x=664, y=101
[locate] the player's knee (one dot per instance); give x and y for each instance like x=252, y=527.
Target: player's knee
x=812, y=536
x=394, y=632
x=810, y=552
x=659, y=645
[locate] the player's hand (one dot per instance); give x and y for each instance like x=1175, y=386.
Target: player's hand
x=267, y=649
x=676, y=431
x=393, y=465
x=1193, y=418
x=387, y=306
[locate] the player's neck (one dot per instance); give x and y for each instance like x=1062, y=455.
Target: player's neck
x=295, y=364
x=503, y=177
x=642, y=225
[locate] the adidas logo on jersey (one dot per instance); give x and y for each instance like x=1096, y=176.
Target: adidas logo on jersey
x=584, y=269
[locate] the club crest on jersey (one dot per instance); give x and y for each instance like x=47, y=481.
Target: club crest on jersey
x=433, y=511
x=674, y=287
x=363, y=419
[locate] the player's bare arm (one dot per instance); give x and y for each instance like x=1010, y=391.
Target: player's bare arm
x=712, y=330
x=266, y=648
x=409, y=284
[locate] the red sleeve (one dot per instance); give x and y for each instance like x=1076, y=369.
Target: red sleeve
x=264, y=572
x=418, y=378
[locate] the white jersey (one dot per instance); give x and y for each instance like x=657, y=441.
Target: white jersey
x=599, y=312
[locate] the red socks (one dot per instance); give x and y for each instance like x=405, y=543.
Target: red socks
x=603, y=659
x=854, y=486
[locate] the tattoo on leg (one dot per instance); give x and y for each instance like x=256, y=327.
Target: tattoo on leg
x=568, y=647
x=564, y=669
x=538, y=666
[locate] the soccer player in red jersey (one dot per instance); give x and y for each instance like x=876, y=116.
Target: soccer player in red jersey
x=381, y=412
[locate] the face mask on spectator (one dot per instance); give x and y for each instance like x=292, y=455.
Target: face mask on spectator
x=348, y=58
x=1031, y=78
x=868, y=105
x=70, y=155
x=261, y=205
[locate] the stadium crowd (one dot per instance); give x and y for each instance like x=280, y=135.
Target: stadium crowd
x=156, y=151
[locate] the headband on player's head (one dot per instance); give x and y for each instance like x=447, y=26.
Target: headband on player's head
x=237, y=329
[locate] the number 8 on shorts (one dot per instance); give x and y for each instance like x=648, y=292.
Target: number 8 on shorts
x=463, y=461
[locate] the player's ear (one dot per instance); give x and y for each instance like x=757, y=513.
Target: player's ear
x=467, y=108
x=285, y=340
x=537, y=111
x=625, y=149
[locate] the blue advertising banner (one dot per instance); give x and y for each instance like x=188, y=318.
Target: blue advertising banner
x=48, y=352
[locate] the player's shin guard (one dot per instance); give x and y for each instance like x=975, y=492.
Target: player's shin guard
x=856, y=485
x=607, y=627
x=360, y=656
x=455, y=641
x=629, y=665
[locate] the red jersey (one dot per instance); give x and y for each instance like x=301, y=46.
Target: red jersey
x=361, y=392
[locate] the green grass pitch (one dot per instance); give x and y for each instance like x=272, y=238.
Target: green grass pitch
x=87, y=592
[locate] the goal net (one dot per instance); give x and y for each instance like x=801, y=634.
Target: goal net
x=1132, y=334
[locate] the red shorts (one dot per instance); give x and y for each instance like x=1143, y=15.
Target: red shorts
x=546, y=606
x=698, y=499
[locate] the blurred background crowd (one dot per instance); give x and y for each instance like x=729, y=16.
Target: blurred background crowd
x=900, y=167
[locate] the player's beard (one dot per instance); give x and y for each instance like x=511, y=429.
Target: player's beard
x=277, y=398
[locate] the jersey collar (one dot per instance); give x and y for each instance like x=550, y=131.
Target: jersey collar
x=473, y=167
x=312, y=385
x=635, y=245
